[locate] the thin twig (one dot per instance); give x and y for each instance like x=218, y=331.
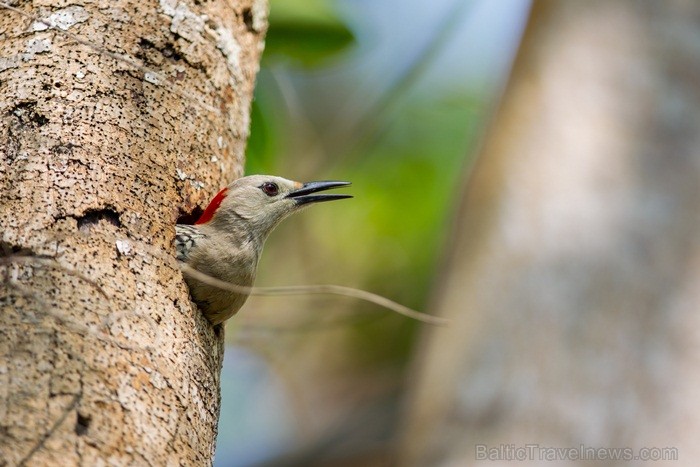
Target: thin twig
x=51, y=430
x=314, y=326
x=16, y=259
x=316, y=290
x=72, y=325
x=75, y=326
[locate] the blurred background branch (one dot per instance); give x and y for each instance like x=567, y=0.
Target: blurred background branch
x=573, y=273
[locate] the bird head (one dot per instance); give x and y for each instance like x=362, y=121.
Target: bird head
x=260, y=202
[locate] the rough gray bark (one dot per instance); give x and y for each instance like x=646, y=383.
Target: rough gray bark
x=115, y=117
x=573, y=277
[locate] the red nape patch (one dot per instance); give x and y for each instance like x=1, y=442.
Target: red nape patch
x=213, y=206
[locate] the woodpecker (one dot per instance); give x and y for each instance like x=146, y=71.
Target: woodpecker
x=227, y=240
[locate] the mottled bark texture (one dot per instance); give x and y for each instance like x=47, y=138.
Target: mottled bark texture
x=115, y=117
x=573, y=278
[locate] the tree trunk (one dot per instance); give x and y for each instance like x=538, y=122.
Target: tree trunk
x=116, y=117
x=573, y=277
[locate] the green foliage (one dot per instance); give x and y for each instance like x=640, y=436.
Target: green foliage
x=405, y=164
x=407, y=185
x=263, y=142
x=306, y=31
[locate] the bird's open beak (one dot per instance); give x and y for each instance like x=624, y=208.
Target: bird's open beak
x=304, y=194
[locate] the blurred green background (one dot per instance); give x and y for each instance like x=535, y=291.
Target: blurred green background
x=391, y=95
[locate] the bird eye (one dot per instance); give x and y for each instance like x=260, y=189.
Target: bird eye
x=270, y=189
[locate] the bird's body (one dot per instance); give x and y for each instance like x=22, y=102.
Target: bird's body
x=227, y=240
x=234, y=262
